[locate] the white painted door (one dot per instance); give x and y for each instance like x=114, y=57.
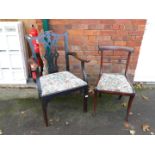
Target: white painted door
x=145, y=71
x=12, y=61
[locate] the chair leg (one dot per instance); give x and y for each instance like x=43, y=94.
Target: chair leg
x=129, y=106
x=85, y=100
x=95, y=100
x=44, y=108
x=120, y=96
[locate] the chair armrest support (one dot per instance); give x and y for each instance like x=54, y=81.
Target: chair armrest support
x=83, y=61
x=85, y=77
x=75, y=55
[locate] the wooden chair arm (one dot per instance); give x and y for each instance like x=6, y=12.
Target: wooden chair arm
x=83, y=61
x=75, y=55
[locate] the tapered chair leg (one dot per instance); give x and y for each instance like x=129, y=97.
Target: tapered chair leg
x=44, y=108
x=85, y=100
x=95, y=101
x=129, y=106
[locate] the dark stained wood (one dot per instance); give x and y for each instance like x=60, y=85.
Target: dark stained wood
x=118, y=48
x=44, y=109
x=49, y=53
x=103, y=49
x=95, y=101
x=85, y=100
x=129, y=106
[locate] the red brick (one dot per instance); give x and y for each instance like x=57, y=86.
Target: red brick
x=118, y=27
x=132, y=38
x=107, y=21
x=56, y=21
x=80, y=26
x=107, y=60
x=125, y=38
x=123, y=21
x=104, y=38
x=133, y=43
x=135, y=32
x=139, y=38
x=117, y=68
x=92, y=38
x=75, y=48
x=93, y=53
x=118, y=37
x=68, y=26
x=106, y=32
x=93, y=48
x=90, y=32
x=90, y=21
x=76, y=67
x=120, y=43
x=120, y=32
x=139, y=21
x=105, y=43
x=76, y=32
x=107, y=27
x=136, y=49
x=76, y=41
x=38, y=21
x=141, y=27
x=91, y=43
x=121, y=53
x=108, y=53
x=130, y=27
x=107, y=67
x=96, y=27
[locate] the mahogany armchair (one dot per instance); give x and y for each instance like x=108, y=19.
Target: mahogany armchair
x=54, y=83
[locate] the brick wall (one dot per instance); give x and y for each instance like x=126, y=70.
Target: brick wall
x=85, y=35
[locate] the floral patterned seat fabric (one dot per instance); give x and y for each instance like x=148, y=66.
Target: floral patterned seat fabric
x=114, y=82
x=59, y=82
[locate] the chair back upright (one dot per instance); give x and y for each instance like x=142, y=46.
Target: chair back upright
x=50, y=41
x=103, y=49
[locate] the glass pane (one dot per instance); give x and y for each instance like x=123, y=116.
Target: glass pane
x=16, y=61
x=10, y=29
x=2, y=51
x=3, y=45
x=18, y=74
x=4, y=61
x=1, y=30
x=6, y=74
x=13, y=42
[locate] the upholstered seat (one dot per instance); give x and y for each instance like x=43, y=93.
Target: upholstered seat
x=59, y=82
x=114, y=82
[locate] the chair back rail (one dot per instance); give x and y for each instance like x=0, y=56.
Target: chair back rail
x=103, y=49
x=118, y=48
x=50, y=40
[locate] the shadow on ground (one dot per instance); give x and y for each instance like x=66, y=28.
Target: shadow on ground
x=20, y=113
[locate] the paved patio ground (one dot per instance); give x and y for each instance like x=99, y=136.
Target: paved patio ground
x=20, y=113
